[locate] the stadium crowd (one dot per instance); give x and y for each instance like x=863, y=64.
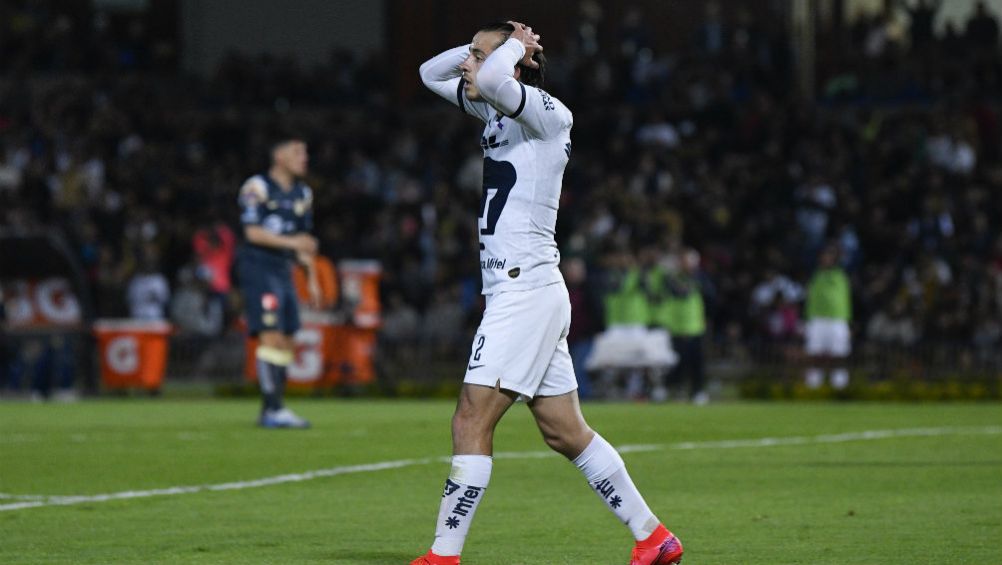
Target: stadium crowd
x=711, y=147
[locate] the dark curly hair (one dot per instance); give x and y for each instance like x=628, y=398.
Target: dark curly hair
x=529, y=76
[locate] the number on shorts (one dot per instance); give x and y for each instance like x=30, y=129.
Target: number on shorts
x=480, y=345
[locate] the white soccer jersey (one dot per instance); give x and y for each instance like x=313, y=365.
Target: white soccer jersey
x=526, y=145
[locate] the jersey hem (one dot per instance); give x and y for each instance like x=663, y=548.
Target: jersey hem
x=511, y=287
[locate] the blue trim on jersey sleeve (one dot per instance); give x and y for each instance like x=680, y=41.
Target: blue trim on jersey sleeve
x=521, y=105
x=459, y=95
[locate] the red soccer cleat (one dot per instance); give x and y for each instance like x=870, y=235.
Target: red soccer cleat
x=432, y=559
x=660, y=548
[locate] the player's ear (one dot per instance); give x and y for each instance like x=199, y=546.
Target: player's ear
x=518, y=72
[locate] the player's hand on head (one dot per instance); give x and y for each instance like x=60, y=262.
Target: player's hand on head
x=530, y=40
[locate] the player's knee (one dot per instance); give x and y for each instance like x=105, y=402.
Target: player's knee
x=556, y=442
x=568, y=442
x=468, y=422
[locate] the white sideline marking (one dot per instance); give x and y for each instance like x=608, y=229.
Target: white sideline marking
x=38, y=500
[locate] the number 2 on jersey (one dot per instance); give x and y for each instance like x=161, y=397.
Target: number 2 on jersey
x=499, y=179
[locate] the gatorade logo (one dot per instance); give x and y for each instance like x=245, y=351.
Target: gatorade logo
x=57, y=302
x=122, y=355
x=308, y=365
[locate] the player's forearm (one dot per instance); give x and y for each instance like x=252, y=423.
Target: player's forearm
x=440, y=69
x=306, y=260
x=260, y=236
x=496, y=79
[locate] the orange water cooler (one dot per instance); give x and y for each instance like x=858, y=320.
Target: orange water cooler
x=133, y=353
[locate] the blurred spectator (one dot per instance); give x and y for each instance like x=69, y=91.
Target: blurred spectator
x=54, y=369
x=625, y=301
x=444, y=322
x=685, y=318
x=712, y=36
x=952, y=41
x=110, y=277
x=585, y=321
x=983, y=28
x=6, y=351
x=817, y=201
x=950, y=151
x=828, y=311
x=923, y=15
x=585, y=38
x=893, y=327
x=401, y=324
x=880, y=38
x=192, y=308
x=987, y=339
x=776, y=287
x=214, y=246
x=780, y=321
x=899, y=164
x=148, y=291
x=631, y=346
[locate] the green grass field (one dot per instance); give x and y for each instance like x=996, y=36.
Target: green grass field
x=929, y=493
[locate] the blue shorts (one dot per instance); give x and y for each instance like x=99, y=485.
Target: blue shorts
x=270, y=302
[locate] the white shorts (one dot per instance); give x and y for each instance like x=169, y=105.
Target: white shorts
x=632, y=347
x=522, y=343
x=828, y=337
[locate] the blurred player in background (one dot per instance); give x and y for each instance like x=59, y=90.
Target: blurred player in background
x=520, y=349
x=277, y=216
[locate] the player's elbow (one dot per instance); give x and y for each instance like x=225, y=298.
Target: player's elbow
x=427, y=77
x=490, y=82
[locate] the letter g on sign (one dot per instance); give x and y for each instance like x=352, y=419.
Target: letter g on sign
x=122, y=355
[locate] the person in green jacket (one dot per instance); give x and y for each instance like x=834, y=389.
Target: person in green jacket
x=828, y=312
x=683, y=313
x=629, y=350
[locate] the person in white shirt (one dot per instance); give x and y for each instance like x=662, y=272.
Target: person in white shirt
x=520, y=349
x=148, y=292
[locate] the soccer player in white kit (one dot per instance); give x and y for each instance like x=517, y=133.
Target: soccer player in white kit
x=520, y=348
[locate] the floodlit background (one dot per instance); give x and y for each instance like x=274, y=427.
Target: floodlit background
x=718, y=149
x=755, y=133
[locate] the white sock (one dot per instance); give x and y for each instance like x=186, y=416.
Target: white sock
x=605, y=471
x=814, y=378
x=840, y=378
x=464, y=489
